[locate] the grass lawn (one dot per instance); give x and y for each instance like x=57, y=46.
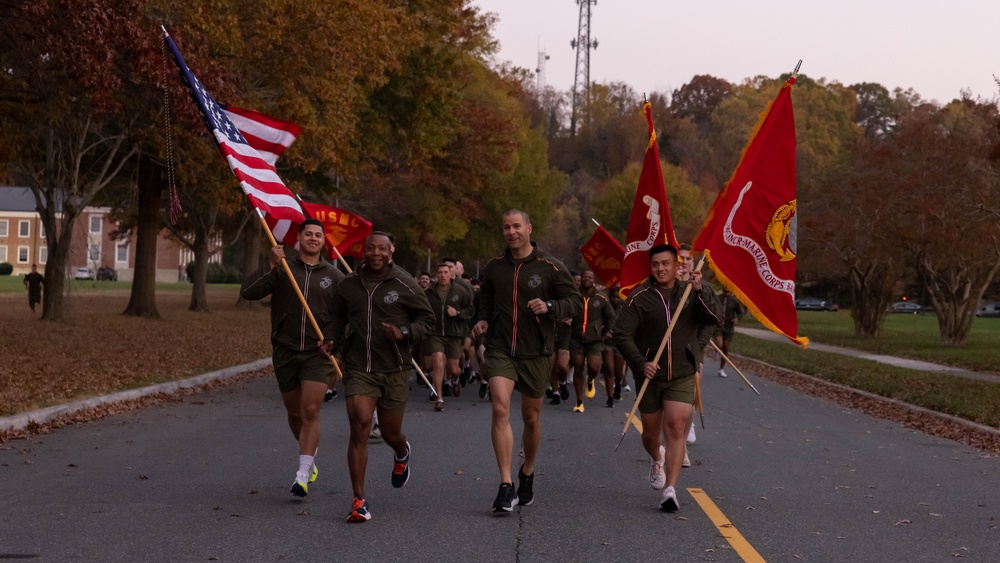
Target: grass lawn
x=908, y=336
x=15, y=284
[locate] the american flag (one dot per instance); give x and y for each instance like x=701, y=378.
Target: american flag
x=270, y=136
x=257, y=176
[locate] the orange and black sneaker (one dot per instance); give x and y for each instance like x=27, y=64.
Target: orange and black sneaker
x=359, y=511
x=401, y=469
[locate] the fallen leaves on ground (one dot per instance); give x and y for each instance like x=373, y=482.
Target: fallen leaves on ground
x=100, y=351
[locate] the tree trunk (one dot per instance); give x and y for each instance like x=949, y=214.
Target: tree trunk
x=871, y=288
x=199, y=296
x=251, y=257
x=58, y=241
x=142, y=300
x=955, y=292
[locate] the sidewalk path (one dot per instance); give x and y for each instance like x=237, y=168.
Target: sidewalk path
x=882, y=358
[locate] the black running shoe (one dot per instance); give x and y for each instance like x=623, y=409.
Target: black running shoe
x=524, y=484
x=506, y=498
x=484, y=388
x=563, y=391
x=329, y=396
x=555, y=399
x=611, y=402
x=618, y=391
x=464, y=378
x=447, y=390
x=548, y=393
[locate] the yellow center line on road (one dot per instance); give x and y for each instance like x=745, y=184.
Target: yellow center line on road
x=726, y=528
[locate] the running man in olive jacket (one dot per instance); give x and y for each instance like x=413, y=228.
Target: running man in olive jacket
x=301, y=369
x=452, y=305
x=669, y=398
x=387, y=312
x=523, y=291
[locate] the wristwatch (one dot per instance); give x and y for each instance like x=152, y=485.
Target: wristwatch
x=548, y=304
x=405, y=330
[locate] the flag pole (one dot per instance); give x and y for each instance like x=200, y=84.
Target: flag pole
x=726, y=358
x=298, y=292
x=412, y=361
x=697, y=398
x=659, y=352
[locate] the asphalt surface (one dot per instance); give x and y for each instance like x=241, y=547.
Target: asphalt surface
x=207, y=478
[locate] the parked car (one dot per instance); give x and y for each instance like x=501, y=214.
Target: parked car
x=988, y=309
x=84, y=273
x=106, y=273
x=815, y=304
x=908, y=307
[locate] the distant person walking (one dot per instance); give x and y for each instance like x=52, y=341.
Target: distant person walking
x=34, y=282
x=523, y=292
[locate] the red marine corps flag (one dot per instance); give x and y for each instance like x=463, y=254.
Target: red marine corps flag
x=345, y=231
x=604, y=256
x=649, y=224
x=750, y=233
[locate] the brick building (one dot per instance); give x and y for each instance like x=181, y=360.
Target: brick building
x=22, y=241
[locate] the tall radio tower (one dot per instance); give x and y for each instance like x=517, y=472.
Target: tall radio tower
x=540, y=71
x=583, y=44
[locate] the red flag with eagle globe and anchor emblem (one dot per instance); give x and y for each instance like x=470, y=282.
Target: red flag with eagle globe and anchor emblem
x=749, y=235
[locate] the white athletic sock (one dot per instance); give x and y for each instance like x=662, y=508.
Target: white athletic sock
x=305, y=468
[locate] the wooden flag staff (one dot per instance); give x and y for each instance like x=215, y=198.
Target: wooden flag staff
x=298, y=292
x=659, y=352
x=725, y=358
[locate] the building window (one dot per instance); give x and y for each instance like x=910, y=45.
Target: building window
x=95, y=224
x=41, y=230
x=22, y=254
x=3, y=253
x=43, y=254
x=3, y=227
x=24, y=229
x=94, y=254
x=121, y=253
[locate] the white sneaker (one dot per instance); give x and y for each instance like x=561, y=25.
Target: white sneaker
x=627, y=388
x=722, y=373
x=668, y=500
x=687, y=460
x=657, y=477
x=376, y=433
x=691, y=437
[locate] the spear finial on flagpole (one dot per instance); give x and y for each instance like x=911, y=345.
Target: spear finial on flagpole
x=595, y=221
x=795, y=73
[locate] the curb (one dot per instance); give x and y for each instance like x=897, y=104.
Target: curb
x=867, y=394
x=42, y=416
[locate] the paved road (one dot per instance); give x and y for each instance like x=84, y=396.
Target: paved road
x=206, y=479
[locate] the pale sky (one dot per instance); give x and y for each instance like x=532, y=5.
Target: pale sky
x=937, y=48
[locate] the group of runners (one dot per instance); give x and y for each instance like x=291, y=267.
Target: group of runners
x=527, y=324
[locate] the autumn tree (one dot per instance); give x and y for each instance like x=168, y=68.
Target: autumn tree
x=69, y=71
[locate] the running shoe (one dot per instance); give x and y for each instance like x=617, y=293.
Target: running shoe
x=456, y=389
x=691, y=437
x=611, y=402
x=314, y=475
x=657, y=477
x=439, y=406
x=548, y=393
x=555, y=399
x=618, y=391
x=687, y=460
x=376, y=433
x=563, y=391
x=627, y=388
x=524, y=487
x=506, y=498
x=401, y=469
x=300, y=488
x=463, y=379
x=578, y=407
x=484, y=388
x=591, y=391
x=329, y=395
x=359, y=511
x=668, y=500
x=722, y=373
x=447, y=390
